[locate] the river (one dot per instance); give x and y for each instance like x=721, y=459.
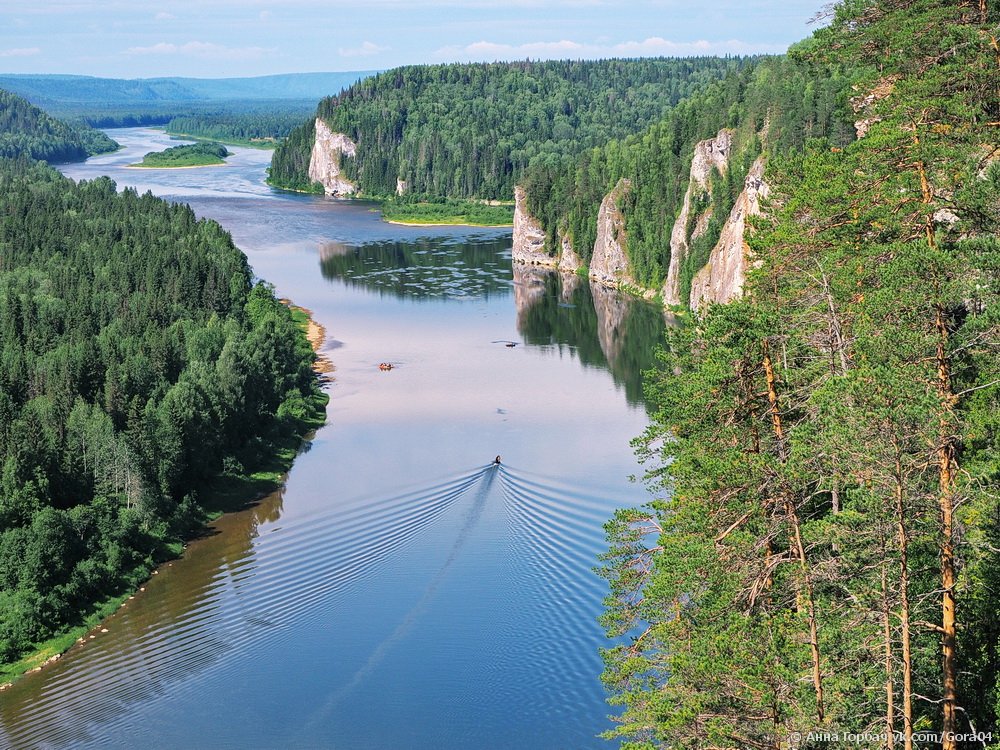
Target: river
x=400, y=591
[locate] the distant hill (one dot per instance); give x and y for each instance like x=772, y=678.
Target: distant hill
x=44, y=90
x=25, y=130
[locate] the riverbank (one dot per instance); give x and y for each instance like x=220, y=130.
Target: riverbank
x=264, y=144
x=449, y=212
x=186, y=166
x=457, y=223
x=228, y=493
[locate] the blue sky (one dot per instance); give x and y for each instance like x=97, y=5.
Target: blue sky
x=216, y=38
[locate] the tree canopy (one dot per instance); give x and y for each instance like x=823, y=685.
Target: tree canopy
x=139, y=361
x=823, y=553
x=470, y=130
x=25, y=130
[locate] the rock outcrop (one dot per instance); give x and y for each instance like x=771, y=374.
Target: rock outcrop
x=721, y=279
x=569, y=261
x=529, y=237
x=861, y=103
x=709, y=154
x=609, y=264
x=324, y=163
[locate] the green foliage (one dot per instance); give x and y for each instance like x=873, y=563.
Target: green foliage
x=26, y=130
x=470, y=130
x=138, y=362
x=447, y=211
x=810, y=441
x=780, y=101
x=290, y=170
x=192, y=155
x=247, y=123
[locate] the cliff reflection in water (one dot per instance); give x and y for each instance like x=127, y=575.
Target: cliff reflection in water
x=603, y=327
x=427, y=267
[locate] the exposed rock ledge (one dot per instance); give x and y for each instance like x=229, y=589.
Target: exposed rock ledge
x=324, y=164
x=709, y=154
x=721, y=279
x=529, y=237
x=609, y=264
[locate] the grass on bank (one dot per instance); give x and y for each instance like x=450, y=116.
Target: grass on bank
x=448, y=211
x=191, y=155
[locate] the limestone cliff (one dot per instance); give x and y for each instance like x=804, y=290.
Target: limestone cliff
x=529, y=237
x=569, y=261
x=721, y=279
x=324, y=163
x=709, y=154
x=609, y=264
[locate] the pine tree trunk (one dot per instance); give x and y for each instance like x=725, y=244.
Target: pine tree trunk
x=904, y=609
x=793, y=519
x=890, y=708
x=946, y=500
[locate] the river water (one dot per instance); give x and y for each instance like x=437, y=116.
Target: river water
x=400, y=591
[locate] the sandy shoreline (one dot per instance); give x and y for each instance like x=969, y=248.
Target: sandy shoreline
x=316, y=334
x=190, y=166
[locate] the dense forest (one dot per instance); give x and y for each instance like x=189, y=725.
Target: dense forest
x=246, y=122
x=774, y=104
x=824, y=557
x=139, y=362
x=470, y=130
x=190, y=155
x=27, y=130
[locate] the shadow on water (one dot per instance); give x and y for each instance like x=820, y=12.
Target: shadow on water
x=603, y=327
x=429, y=267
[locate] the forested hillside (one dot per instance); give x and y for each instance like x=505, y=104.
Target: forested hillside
x=138, y=363
x=27, y=130
x=470, y=130
x=825, y=553
x=245, y=122
x=773, y=105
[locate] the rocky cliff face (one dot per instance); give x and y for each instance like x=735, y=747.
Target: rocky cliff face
x=324, y=164
x=721, y=279
x=709, y=154
x=569, y=261
x=529, y=237
x=609, y=264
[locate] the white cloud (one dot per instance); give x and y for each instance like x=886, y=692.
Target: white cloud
x=365, y=50
x=205, y=50
x=163, y=16
x=652, y=47
x=265, y=15
x=20, y=52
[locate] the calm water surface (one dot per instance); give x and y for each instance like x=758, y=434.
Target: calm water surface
x=400, y=592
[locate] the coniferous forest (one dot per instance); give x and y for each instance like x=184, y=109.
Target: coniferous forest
x=825, y=555
x=821, y=553
x=470, y=130
x=139, y=362
x=26, y=130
